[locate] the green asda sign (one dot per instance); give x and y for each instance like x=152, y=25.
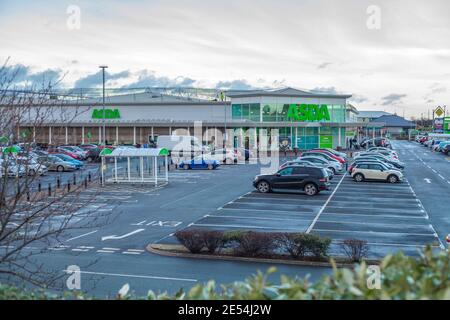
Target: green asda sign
x=447, y=125
x=109, y=114
x=308, y=112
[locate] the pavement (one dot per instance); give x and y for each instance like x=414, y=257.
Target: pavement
x=404, y=216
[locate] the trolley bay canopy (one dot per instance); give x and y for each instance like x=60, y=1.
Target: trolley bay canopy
x=135, y=165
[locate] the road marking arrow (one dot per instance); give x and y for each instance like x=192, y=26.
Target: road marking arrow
x=114, y=237
x=427, y=180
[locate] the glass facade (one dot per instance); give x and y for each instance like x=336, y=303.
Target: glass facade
x=303, y=138
x=276, y=112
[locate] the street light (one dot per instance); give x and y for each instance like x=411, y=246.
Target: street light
x=104, y=129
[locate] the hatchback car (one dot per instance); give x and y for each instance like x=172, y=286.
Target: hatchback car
x=56, y=164
x=310, y=180
x=374, y=171
x=332, y=165
x=199, y=164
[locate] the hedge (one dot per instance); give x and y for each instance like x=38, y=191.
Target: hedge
x=402, y=277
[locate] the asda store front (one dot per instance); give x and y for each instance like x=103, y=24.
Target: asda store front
x=304, y=120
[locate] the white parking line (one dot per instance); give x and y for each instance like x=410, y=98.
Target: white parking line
x=81, y=235
x=132, y=276
x=324, y=206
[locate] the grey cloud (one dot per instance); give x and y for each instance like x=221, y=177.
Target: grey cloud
x=235, y=85
x=328, y=90
x=22, y=75
x=358, y=98
x=393, y=98
x=96, y=79
x=324, y=65
x=148, y=79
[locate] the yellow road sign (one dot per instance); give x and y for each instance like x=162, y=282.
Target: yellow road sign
x=439, y=111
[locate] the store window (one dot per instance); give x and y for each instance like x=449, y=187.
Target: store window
x=269, y=113
x=236, y=111
x=254, y=112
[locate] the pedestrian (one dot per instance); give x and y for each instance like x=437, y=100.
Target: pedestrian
x=350, y=143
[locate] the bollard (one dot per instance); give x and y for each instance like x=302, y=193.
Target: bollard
x=49, y=190
x=101, y=180
x=39, y=187
x=28, y=196
x=85, y=183
x=89, y=176
x=74, y=179
x=58, y=182
x=68, y=186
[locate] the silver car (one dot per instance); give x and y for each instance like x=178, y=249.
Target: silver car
x=56, y=164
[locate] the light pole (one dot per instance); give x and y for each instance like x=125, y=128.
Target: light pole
x=103, y=114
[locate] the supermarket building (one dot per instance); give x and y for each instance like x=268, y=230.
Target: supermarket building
x=303, y=119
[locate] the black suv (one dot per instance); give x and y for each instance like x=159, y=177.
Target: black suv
x=446, y=149
x=311, y=180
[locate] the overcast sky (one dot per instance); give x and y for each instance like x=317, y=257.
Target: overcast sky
x=402, y=66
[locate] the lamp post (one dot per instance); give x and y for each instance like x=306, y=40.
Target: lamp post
x=103, y=114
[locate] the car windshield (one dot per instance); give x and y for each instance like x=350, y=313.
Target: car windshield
x=64, y=157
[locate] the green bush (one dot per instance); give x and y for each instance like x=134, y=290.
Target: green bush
x=402, y=277
x=299, y=245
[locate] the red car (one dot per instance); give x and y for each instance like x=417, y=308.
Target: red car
x=335, y=157
x=62, y=151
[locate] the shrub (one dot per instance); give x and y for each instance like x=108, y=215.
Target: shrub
x=355, y=249
x=232, y=238
x=317, y=245
x=299, y=245
x=253, y=244
x=213, y=240
x=293, y=243
x=192, y=239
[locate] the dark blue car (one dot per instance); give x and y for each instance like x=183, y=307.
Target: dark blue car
x=199, y=164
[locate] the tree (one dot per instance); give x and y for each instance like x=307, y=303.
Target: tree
x=32, y=214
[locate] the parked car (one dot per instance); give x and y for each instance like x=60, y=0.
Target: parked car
x=379, y=157
x=332, y=165
x=77, y=163
x=386, y=153
x=57, y=150
x=93, y=154
x=77, y=150
x=382, y=150
x=31, y=166
x=10, y=169
x=304, y=163
x=56, y=164
x=375, y=171
x=440, y=146
x=328, y=153
x=199, y=163
x=227, y=156
x=446, y=149
x=320, y=155
x=353, y=164
x=88, y=146
x=376, y=142
x=343, y=155
x=311, y=180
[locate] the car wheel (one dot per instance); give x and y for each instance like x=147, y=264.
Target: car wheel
x=186, y=167
x=392, y=178
x=31, y=172
x=311, y=189
x=89, y=159
x=210, y=167
x=334, y=170
x=263, y=187
x=60, y=168
x=358, y=177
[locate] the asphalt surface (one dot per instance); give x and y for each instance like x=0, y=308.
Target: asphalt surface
x=404, y=216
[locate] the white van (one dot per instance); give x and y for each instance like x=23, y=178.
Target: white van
x=180, y=143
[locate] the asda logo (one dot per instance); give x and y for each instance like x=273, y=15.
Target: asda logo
x=109, y=114
x=308, y=112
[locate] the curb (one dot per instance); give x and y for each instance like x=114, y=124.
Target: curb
x=179, y=251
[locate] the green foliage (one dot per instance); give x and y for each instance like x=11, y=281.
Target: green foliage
x=402, y=277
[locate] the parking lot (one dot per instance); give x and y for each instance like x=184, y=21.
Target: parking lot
x=389, y=217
